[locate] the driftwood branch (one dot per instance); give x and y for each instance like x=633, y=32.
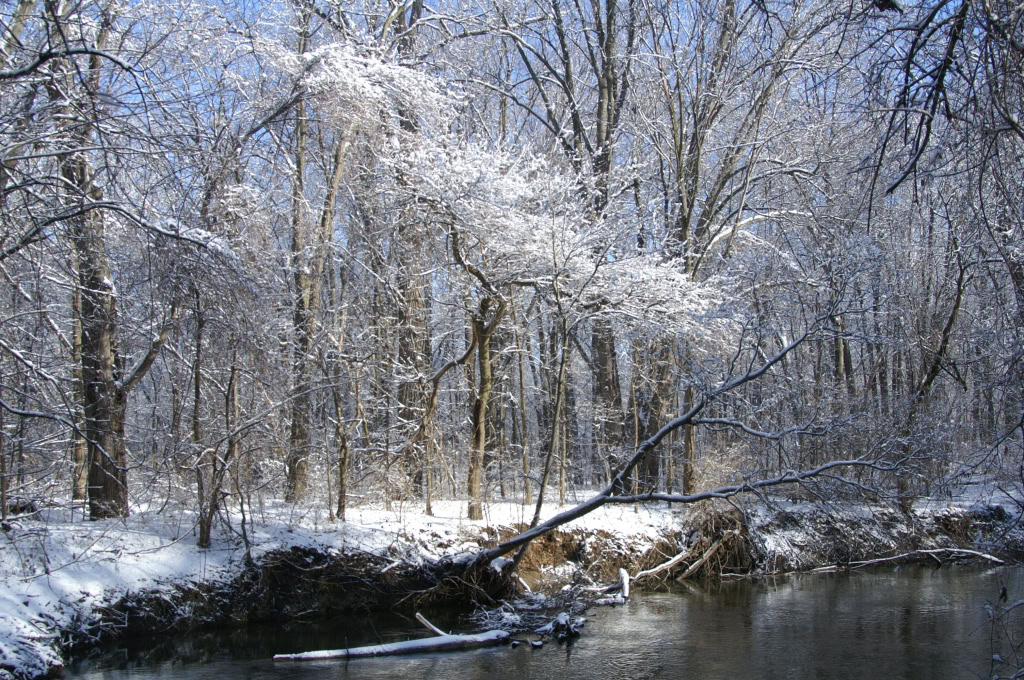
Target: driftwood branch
x=441, y=642
x=438, y=643
x=623, y=591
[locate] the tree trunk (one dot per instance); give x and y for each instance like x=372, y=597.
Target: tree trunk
x=522, y=421
x=3, y=465
x=552, y=451
x=474, y=482
x=79, y=446
x=298, y=437
x=689, y=447
x=412, y=361
x=216, y=468
x=651, y=401
x=103, y=398
x=104, y=405
x=307, y=273
x=607, y=390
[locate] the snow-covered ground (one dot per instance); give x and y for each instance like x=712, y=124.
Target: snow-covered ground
x=59, y=569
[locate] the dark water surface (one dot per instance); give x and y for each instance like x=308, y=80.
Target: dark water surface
x=906, y=623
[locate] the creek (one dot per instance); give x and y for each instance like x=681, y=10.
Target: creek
x=910, y=622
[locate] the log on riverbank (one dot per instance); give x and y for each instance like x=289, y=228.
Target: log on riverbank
x=439, y=643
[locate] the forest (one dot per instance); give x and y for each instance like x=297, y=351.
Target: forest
x=397, y=251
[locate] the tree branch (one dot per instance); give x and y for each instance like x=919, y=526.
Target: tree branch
x=48, y=55
x=139, y=372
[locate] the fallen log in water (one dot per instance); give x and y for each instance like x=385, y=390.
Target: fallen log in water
x=439, y=643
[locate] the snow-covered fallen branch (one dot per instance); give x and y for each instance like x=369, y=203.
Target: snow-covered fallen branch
x=441, y=642
x=438, y=643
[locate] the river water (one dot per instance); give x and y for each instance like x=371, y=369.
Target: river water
x=905, y=623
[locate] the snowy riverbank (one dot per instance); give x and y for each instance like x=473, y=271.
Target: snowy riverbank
x=61, y=574
x=67, y=580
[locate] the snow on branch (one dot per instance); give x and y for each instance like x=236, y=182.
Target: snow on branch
x=646, y=291
x=527, y=219
x=513, y=209
x=213, y=244
x=356, y=84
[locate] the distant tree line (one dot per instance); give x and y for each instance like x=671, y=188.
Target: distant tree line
x=321, y=250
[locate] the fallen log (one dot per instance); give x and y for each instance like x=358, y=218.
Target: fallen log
x=611, y=492
x=438, y=643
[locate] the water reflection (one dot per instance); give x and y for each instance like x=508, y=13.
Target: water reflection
x=911, y=623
